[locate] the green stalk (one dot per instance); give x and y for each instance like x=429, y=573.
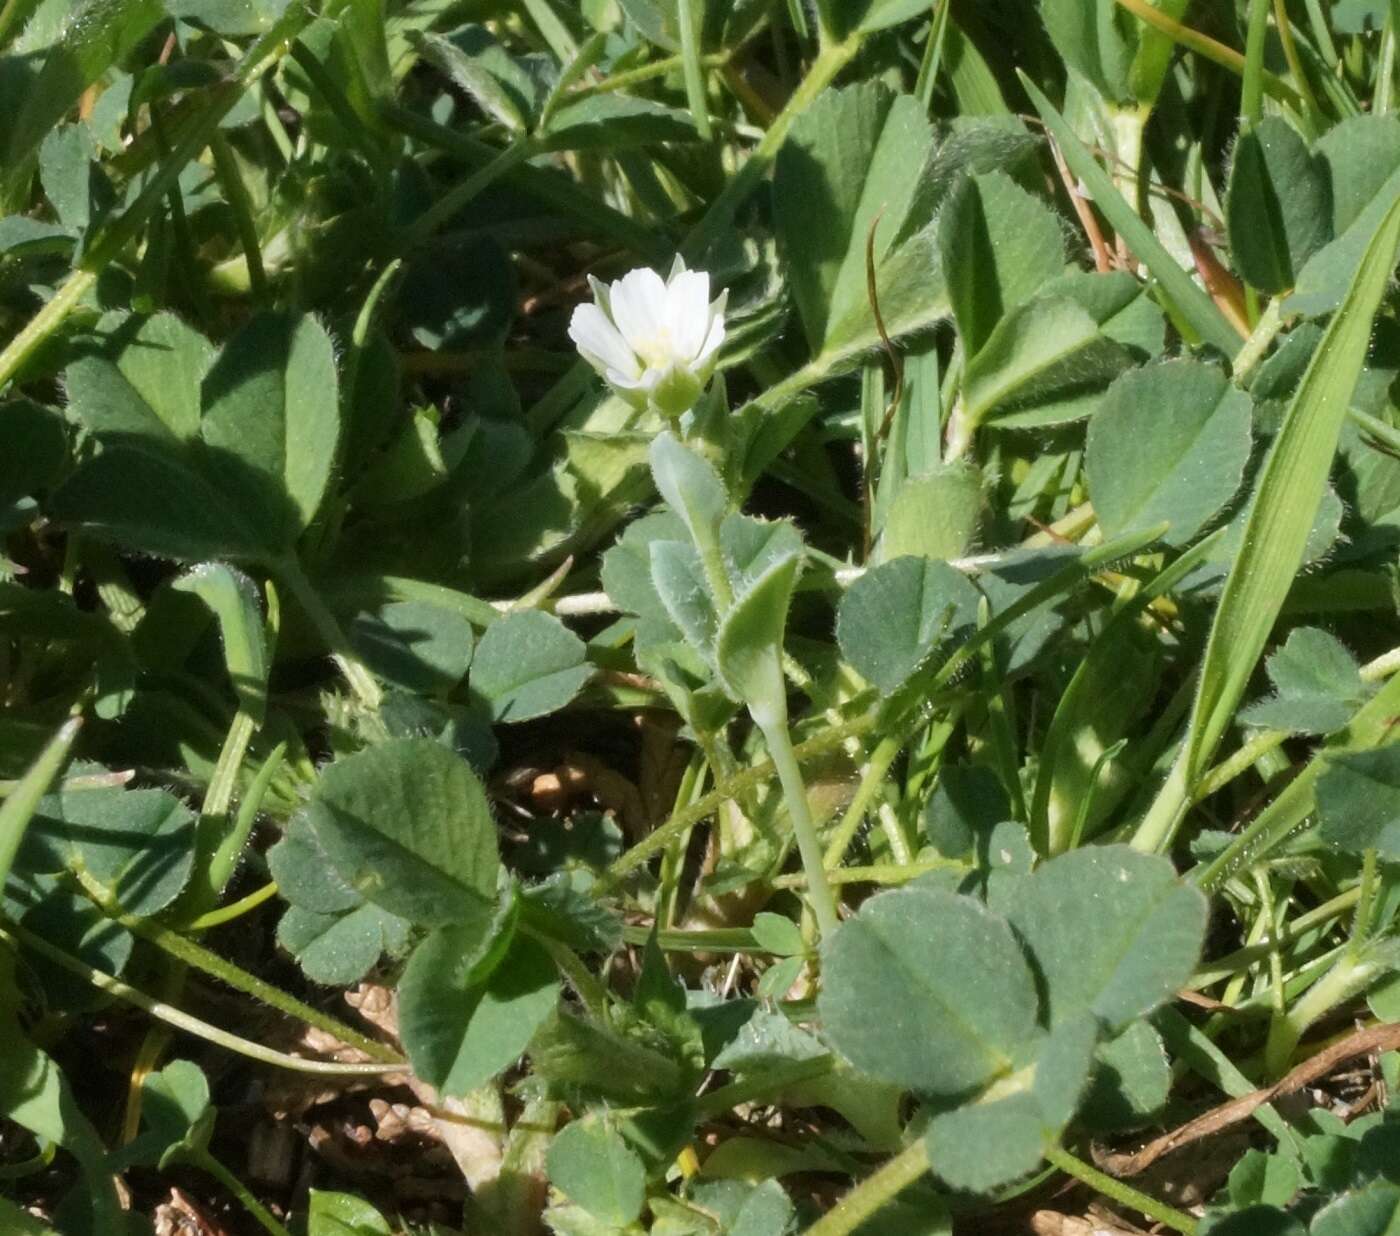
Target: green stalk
x=874, y=1192
x=689, y=16
x=206, y=1162
x=448, y=205
x=235, y=909
x=204, y=889
x=762, y=1087
x=1252, y=88
x=20, y=803
x=1117, y=1191
x=197, y=957
x=1349, y=977
x=872, y=780
x=104, y=982
x=236, y=193
x=224, y=861
x=780, y=749
x=360, y=681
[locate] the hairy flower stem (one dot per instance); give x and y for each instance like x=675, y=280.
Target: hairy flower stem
x=206, y=1162
x=1117, y=1191
x=775, y=732
x=872, y=1194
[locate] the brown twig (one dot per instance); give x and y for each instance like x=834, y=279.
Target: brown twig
x=1364, y=1042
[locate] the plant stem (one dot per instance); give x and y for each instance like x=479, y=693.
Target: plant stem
x=1123, y=1194
x=659, y=838
x=460, y=195
x=808, y=846
x=830, y=61
x=206, y=1162
x=687, y=14
x=204, y=889
x=236, y=192
x=876, y=873
x=18, y=807
x=873, y=1192
x=230, y=848
x=15, y=935
x=235, y=909
x=200, y=958
x=361, y=682
x=768, y=1084
x=1348, y=977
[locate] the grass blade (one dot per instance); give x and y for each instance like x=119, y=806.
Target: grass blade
x=1195, y=306
x=1290, y=487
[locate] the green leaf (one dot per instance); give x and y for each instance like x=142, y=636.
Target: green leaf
x=1255, y=1221
x=1363, y=155
x=477, y=62
x=527, y=665
x=1045, y=363
x=984, y=1145
x=1097, y=38
x=1000, y=246
x=272, y=421
x=340, y=949
x=1122, y=307
x=159, y=501
x=1317, y=685
x=176, y=1111
x=779, y=935
x=929, y=991
x=1111, y=931
x=407, y=825
x=458, y=1032
x=572, y=1051
x=895, y=615
x=69, y=921
x=304, y=875
x=850, y=157
x=688, y=484
x=749, y=644
x=1277, y=207
x=343, y=1214
x=1131, y=1082
x=1168, y=443
x=767, y=1211
x=94, y=35
x=414, y=644
x=1194, y=305
x=589, y=1162
x=233, y=599
x=1358, y=801
x=138, y=844
x=934, y=515
x=33, y=450
x=1369, y=1212
x=615, y=122
x=141, y=377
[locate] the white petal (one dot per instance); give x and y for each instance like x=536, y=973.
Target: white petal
x=688, y=312
x=599, y=341
x=712, y=343
x=639, y=306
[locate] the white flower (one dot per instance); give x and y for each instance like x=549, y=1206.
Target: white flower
x=654, y=342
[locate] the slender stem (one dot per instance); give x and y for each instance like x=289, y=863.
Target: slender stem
x=203, y=892
x=236, y=194
x=687, y=13
x=1265, y=330
x=205, y=1161
x=1244, y=958
x=830, y=61
x=808, y=846
x=733, y=787
x=18, y=807
x=1207, y=48
x=876, y=873
x=873, y=1192
x=235, y=909
x=1123, y=1194
x=44, y=323
x=590, y=991
x=458, y=196
x=765, y=1085
x=1361, y=925
x=230, y=848
x=1241, y=761
x=360, y=680
x=200, y=958
x=1312, y=114
x=1252, y=91
x=184, y=1021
